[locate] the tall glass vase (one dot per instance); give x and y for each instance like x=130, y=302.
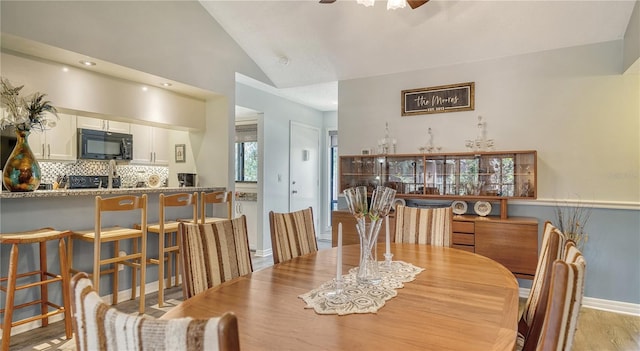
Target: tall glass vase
x=22, y=171
x=368, y=271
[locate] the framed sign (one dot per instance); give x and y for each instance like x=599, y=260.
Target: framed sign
x=444, y=98
x=180, y=153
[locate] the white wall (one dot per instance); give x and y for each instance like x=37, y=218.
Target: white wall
x=187, y=46
x=631, y=54
x=92, y=94
x=572, y=105
x=273, y=146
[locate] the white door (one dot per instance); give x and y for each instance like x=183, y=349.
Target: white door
x=304, y=168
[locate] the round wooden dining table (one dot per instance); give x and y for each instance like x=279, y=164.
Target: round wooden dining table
x=461, y=301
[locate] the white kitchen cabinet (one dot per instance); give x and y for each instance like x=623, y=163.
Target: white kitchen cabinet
x=57, y=143
x=150, y=145
x=103, y=124
x=249, y=208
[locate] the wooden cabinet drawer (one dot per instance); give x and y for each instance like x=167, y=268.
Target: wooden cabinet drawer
x=512, y=243
x=464, y=247
x=463, y=239
x=463, y=227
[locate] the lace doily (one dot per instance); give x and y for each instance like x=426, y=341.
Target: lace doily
x=361, y=298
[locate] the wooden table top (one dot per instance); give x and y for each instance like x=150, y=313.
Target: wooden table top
x=462, y=301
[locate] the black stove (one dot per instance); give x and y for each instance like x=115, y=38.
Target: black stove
x=91, y=182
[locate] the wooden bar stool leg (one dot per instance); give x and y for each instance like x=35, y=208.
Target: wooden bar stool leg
x=169, y=243
x=65, y=286
x=70, y=255
x=134, y=271
x=11, y=292
x=143, y=271
x=116, y=273
x=161, y=269
x=44, y=290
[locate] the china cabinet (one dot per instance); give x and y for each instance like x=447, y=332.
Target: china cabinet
x=482, y=176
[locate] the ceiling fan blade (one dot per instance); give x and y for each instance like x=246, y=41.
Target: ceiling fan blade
x=416, y=3
x=327, y=1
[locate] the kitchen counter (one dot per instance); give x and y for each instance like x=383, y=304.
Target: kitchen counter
x=74, y=209
x=102, y=191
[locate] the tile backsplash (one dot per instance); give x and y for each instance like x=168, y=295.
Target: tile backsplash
x=129, y=174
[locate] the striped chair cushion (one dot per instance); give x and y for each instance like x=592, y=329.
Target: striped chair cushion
x=292, y=234
x=213, y=253
x=100, y=327
x=554, y=324
x=553, y=242
x=432, y=226
x=567, y=290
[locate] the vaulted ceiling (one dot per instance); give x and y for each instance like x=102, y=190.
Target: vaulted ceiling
x=305, y=47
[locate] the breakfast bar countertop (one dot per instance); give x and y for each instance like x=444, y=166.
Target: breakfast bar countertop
x=103, y=191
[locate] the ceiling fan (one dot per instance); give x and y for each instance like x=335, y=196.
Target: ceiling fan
x=413, y=3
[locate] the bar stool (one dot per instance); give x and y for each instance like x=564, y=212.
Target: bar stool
x=216, y=197
x=99, y=235
x=40, y=236
x=168, y=249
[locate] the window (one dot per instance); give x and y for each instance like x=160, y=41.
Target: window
x=247, y=153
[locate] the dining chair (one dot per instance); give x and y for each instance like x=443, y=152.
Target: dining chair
x=560, y=315
x=432, y=226
x=553, y=242
x=213, y=253
x=114, y=235
x=216, y=198
x=292, y=234
x=168, y=250
x=98, y=326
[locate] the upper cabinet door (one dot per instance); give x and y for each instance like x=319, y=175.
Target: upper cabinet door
x=58, y=142
x=62, y=140
x=150, y=145
x=103, y=124
x=160, y=146
x=142, y=152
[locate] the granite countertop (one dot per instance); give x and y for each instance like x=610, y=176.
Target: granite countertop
x=102, y=191
x=246, y=196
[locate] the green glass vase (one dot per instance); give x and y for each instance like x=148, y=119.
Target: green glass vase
x=22, y=171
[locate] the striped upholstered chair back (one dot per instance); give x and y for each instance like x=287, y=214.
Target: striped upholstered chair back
x=213, y=253
x=565, y=300
x=553, y=242
x=99, y=327
x=292, y=234
x=432, y=226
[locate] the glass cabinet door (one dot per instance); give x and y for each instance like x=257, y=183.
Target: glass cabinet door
x=494, y=175
x=406, y=174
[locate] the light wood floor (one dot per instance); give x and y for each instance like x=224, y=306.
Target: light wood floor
x=597, y=330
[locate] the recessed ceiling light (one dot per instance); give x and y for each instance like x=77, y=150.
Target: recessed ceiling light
x=284, y=60
x=65, y=69
x=165, y=84
x=87, y=63
x=145, y=88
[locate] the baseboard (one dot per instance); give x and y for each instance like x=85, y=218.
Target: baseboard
x=601, y=304
x=264, y=253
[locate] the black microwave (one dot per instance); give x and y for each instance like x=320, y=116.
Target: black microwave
x=101, y=145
